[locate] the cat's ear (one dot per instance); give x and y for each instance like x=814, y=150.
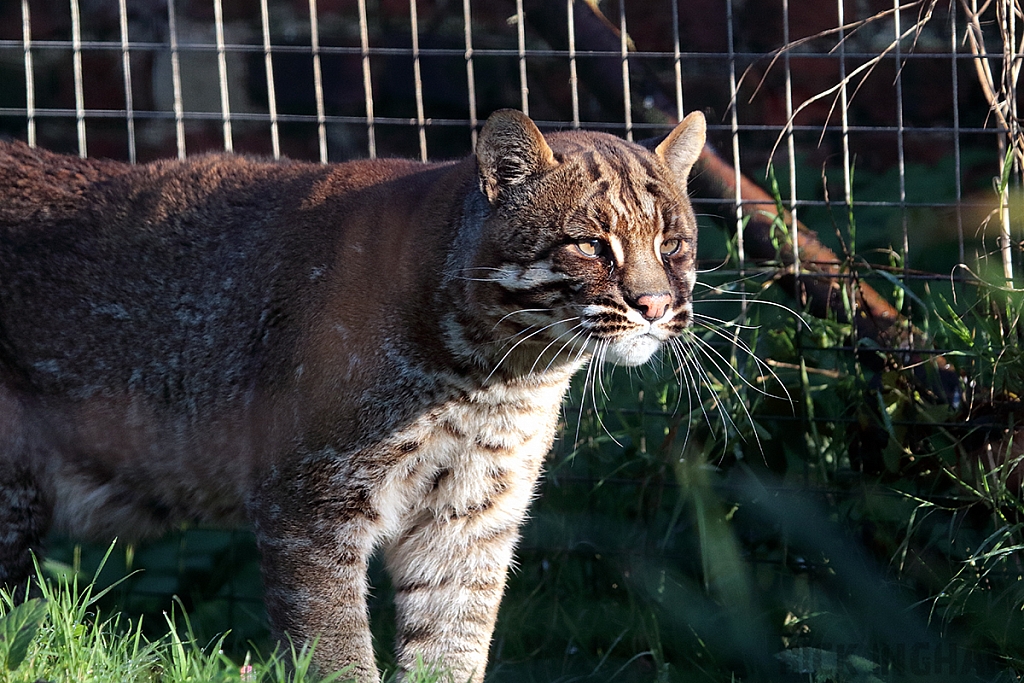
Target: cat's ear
x=683, y=145
x=509, y=150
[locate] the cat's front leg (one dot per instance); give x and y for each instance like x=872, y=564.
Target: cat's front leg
x=449, y=565
x=314, y=550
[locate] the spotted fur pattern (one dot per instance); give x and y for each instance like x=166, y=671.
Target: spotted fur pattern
x=359, y=357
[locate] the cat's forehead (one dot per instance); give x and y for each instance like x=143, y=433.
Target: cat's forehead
x=626, y=188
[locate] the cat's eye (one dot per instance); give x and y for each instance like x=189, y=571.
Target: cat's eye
x=671, y=247
x=590, y=248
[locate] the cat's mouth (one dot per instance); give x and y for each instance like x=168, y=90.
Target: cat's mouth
x=632, y=351
x=633, y=347
x=627, y=338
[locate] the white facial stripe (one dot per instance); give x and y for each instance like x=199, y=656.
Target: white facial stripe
x=617, y=251
x=613, y=221
x=517, y=278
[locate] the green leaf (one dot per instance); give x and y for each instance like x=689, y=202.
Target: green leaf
x=17, y=629
x=898, y=283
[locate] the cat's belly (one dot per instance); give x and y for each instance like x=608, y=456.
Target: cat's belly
x=113, y=471
x=91, y=499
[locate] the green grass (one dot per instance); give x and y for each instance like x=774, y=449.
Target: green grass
x=62, y=635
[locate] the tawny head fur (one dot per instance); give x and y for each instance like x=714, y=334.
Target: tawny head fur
x=591, y=240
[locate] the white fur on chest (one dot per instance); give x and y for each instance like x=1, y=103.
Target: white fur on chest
x=484, y=450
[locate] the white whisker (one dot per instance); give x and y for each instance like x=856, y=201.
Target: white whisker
x=599, y=357
x=690, y=383
x=749, y=277
x=732, y=324
x=699, y=369
x=569, y=344
x=673, y=346
x=583, y=398
x=600, y=374
x=761, y=302
x=742, y=345
x=707, y=350
x=532, y=334
x=552, y=343
x=505, y=340
x=692, y=369
x=520, y=311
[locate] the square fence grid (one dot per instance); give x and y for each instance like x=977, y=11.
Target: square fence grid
x=880, y=89
x=876, y=125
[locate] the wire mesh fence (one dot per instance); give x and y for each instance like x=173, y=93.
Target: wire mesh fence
x=845, y=481
x=867, y=88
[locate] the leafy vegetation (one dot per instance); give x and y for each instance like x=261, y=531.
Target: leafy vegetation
x=63, y=636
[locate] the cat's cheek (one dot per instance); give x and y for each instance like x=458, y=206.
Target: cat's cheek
x=632, y=351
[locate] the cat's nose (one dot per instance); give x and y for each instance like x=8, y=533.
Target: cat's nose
x=653, y=306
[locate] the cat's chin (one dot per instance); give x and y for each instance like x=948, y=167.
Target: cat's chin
x=632, y=351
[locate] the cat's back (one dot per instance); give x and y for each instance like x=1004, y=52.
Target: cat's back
x=38, y=183
x=40, y=188
x=186, y=279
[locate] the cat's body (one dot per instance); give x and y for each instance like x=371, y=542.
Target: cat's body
x=349, y=357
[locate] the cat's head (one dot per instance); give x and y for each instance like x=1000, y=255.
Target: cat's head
x=589, y=241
